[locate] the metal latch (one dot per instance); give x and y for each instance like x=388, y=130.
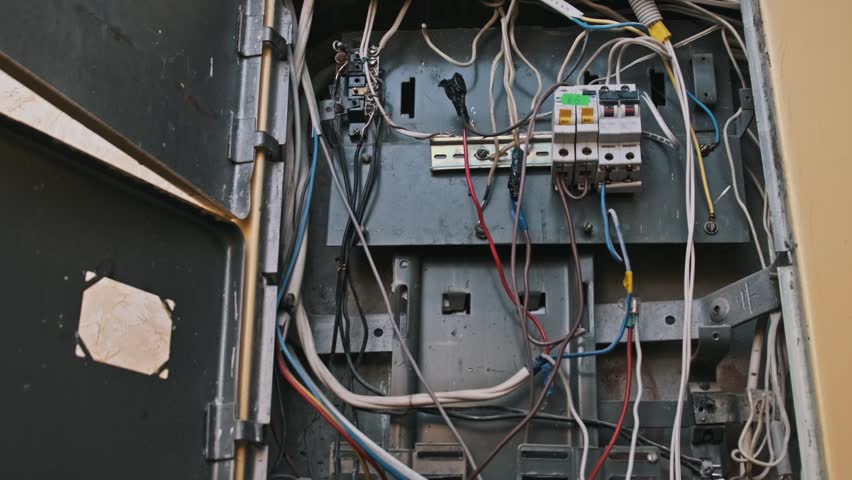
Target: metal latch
x=223, y=429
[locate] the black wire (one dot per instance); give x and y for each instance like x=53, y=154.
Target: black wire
x=504, y=131
x=358, y=201
x=580, y=57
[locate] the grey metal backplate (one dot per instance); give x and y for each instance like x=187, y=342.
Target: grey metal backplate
x=484, y=347
x=71, y=417
x=414, y=206
x=164, y=75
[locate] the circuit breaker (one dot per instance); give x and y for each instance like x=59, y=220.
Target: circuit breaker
x=596, y=136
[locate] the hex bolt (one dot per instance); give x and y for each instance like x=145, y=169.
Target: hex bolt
x=481, y=154
x=653, y=458
x=588, y=227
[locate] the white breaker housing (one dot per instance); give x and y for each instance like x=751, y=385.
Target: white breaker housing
x=596, y=134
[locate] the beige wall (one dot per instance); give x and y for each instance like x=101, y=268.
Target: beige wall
x=810, y=44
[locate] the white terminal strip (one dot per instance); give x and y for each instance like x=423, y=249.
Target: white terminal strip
x=597, y=131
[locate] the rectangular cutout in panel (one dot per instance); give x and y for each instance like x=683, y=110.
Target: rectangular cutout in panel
x=406, y=101
x=658, y=87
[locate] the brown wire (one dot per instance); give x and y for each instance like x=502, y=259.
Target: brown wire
x=563, y=342
x=523, y=423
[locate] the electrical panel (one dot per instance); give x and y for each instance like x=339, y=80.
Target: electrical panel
x=597, y=131
x=428, y=252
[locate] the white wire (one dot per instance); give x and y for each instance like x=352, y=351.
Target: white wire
x=620, y=46
x=372, y=9
x=634, y=437
x=396, y=23
x=675, y=470
x=524, y=59
x=736, y=189
x=570, y=54
x=685, y=41
x=584, y=432
x=734, y=63
x=660, y=120
x=424, y=31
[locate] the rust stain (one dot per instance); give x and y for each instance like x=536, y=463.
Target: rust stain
x=194, y=103
x=116, y=33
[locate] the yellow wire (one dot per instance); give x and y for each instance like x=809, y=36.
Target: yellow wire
x=603, y=21
x=365, y=470
x=704, y=183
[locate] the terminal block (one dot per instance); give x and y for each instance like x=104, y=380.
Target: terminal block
x=596, y=136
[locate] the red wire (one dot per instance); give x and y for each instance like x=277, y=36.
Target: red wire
x=300, y=389
x=624, y=406
x=491, y=244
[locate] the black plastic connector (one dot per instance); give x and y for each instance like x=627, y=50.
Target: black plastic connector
x=456, y=91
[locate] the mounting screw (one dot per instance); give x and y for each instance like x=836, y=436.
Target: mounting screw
x=653, y=458
x=711, y=227
x=366, y=158
x=719, y=310
x=480, y=233
x=481, y=154
x=588, y=227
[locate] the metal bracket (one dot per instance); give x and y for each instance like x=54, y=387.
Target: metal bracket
x=747, y=104
x=728, y=307
x=704, y=78
x=704, y=73
x=439, y=460
x=223, y=429
x=561, y=462
x=447, y=153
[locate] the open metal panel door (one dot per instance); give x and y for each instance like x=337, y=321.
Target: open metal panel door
x=173, y=84
x=121, y=315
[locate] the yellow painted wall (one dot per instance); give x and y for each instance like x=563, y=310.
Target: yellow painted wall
x=810, y=45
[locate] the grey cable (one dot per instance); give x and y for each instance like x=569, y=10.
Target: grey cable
x=405, y=350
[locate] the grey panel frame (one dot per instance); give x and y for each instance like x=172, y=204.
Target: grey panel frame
x=414, y=206
x=796, y=323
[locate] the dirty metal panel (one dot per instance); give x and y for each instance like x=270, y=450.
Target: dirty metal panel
x=67, y=215
x=164, y=76
x=408, y=179
x=480, y=345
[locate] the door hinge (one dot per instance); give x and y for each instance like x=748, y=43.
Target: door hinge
x=223, y=429
x=244, y=138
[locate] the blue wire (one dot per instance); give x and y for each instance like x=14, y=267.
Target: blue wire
x=609, y=26
x=614, y=343
x=302, y=224
x=522, y=220
x=311, y=386
x=709, y=114
x=607, y=238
